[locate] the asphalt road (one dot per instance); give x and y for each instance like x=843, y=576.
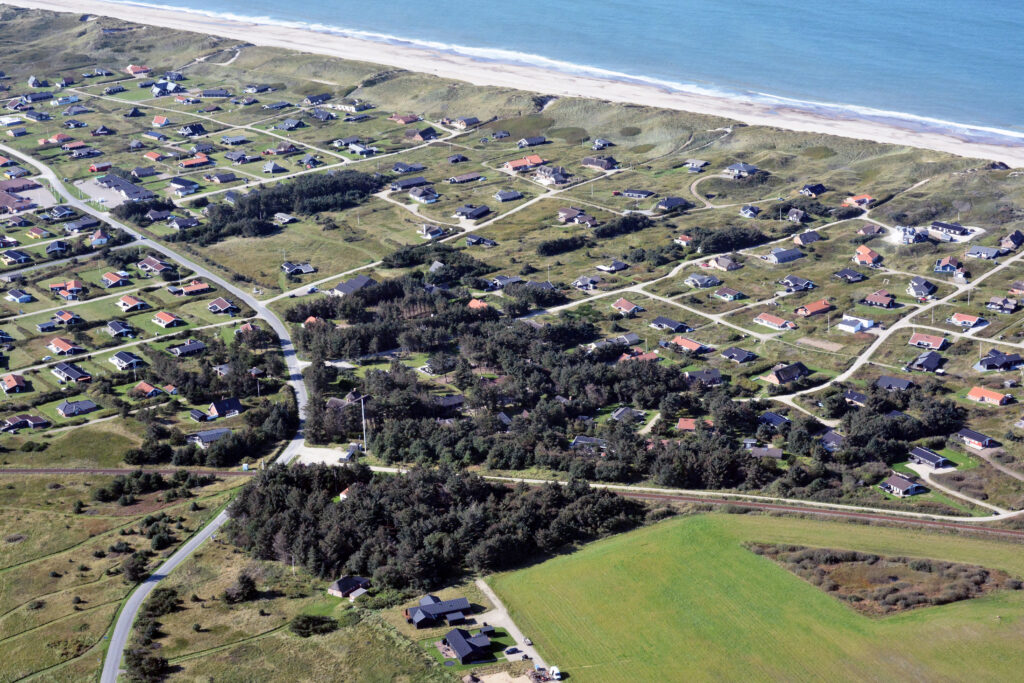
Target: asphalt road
x=122, y=628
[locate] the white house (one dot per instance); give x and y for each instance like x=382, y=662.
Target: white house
x=853, y=324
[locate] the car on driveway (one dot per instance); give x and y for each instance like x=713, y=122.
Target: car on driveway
x=512, y=650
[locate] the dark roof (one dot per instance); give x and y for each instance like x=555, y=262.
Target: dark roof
x=851, y=395
x=472, y=212
x=899, y=483
x=125, y=356
x=433, y=607
x=408, y=183
x=587, y=441
x=191, y=346
x=795, y=281
x=849, y=275
x=71, y=371
x=226, y=405
x=669, y=203
x=67, y=408
x=970, y=434
x=355, y=284
x=450, y=401
x=919, y=283
x=466, y=646
x=347, y=584
x=927, y=456
x=207, y=436
x=705, y=376
x=929, y=361
x=832, y=439
x=792, y=372
x=117, y=327
x=735, y=353
x=782, y=255
x=773, y=419
x=997, y=360
x=671, y=324
x=893, y=383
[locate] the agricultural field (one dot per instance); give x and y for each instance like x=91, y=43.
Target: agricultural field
x=701, y=604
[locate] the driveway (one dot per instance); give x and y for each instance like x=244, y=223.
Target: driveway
x=499, y=618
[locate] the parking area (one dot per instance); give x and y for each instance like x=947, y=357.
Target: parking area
x=105, y=196
x=41, y=197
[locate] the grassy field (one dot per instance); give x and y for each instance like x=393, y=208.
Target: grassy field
x=685, y=599
x=59, y=579
x=250, y=640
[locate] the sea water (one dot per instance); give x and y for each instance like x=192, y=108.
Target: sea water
x=949, y=65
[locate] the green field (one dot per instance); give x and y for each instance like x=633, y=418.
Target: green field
x=684, y=600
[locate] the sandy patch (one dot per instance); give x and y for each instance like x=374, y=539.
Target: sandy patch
x=820, y=344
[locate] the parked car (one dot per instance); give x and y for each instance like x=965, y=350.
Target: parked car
x=512, y=650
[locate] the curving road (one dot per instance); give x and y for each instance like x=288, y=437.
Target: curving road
x=122, y=628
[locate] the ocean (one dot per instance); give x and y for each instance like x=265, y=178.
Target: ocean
x=952, y=66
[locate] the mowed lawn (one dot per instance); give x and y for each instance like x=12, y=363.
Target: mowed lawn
x=684, y=600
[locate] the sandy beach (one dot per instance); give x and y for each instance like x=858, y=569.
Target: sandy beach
x=480, y=72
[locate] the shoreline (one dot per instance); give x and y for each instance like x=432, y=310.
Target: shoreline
x=527, y=78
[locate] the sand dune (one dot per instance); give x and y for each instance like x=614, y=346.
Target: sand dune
x=533, y=79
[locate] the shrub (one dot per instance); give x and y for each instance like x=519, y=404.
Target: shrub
x=306, y=625
x=243, y=590
x=161, y=601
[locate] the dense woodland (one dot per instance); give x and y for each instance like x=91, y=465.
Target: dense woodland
x=530, y=390
x=416, y=531
x=253, y=214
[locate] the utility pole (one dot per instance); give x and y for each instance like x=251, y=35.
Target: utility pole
x=362, y=407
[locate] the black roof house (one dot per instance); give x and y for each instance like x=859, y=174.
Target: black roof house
x=738, y=355
x=929, y=361
x=663, y=323
x=188, y=348
x=893, y=383
x=790, y=373
x=976, y=439
x=926, y=456
x=354, y=285
x=849, y=275
x=225, y=407
x=773, y=419
x=997, y=360
x=432, y=610
x=468, y=648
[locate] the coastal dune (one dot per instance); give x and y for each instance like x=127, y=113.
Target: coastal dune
x=534, y=79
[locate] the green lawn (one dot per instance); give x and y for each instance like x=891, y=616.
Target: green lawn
x=685, y=600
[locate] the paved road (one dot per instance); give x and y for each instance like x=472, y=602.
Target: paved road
x=292, y=450
x=122, y=628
